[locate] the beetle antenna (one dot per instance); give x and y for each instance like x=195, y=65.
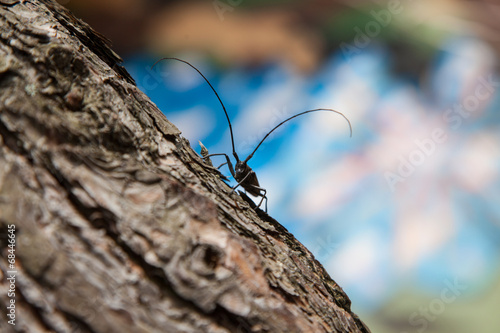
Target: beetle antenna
x=216, y=94
x=284, y=121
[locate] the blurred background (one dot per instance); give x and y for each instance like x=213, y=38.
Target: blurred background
x=405, y=215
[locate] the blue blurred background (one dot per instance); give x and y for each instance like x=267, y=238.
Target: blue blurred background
x=404, y=215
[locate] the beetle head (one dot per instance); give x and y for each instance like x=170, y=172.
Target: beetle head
x=241, y=169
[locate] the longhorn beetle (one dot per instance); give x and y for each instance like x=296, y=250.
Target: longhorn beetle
x=242, y=173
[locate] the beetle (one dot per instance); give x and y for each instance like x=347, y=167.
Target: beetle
x=242, y=172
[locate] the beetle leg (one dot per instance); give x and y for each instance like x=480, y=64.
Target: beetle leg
x=228, y=162
x=220, y=166
x=241, y=181
x=263, y=196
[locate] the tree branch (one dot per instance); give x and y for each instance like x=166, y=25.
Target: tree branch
x=120, y=226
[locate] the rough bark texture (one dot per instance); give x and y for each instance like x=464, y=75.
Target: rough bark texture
x=120, y=226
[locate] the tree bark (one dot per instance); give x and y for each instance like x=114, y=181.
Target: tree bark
x=119, y=225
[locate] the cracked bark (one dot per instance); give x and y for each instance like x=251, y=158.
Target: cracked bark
x=120, y=226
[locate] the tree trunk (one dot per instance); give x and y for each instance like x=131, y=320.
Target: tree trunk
x=119, y=225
